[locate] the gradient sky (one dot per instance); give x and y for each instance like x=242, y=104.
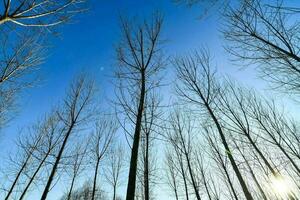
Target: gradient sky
x=88, y=45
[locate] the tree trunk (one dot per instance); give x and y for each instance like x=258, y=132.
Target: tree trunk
x=146, y=172
x=192, y=176
x=206, y=185
x=185, y=184
x=228, y=152
x=95, y=179
x=17, y=178
x=135, y=146
x=175, y=190
x=115, y=191
x=71, y=188
x=227, y=176
x=33, y=176
x=51, y=177
x=261, y=155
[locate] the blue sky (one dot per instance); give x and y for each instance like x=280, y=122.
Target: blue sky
x=88, y=45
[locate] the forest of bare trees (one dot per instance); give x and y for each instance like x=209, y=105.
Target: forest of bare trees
x=175, y=124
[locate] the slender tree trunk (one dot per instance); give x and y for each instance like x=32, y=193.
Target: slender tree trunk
x=135, y=146
x=52, y=174
x=183, y=174
x=71, y=188
x=115, y=192
x=206, y=185
x=230, y=182
x=226, y=172
x=146, y=172
x=17, y=178
x=280, y=147
x=261, y=155
x=256, y=181
x=192, y=176
x=228, y=152
x=185, y=184
x=175, y=190
x=33, y=177
x=251, y=171
x=95, y=179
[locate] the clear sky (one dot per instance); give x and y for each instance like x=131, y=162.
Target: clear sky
x=88, y=45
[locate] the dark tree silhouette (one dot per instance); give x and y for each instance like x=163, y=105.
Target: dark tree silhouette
x=267, y=36
x=75, y=111
x=140, y=61
x=114, y=170
x=198, y=87
x=39, y=13
x=105, y=130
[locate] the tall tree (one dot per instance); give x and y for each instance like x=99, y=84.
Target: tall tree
x=198, y=86
x=105, y=130
x=77, y=161
x=222, y=163
x=172, y=174
x=180, y=137
x=114, y=171
x=149, y=136
x=75, y=111
x=140, y=61
x=266, y=35
x=29, y=145
x=49, y=144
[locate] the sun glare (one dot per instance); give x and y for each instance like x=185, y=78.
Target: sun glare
x=282, y=186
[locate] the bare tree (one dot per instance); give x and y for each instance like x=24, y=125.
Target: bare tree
x=105, y=130
x=115, y=167
x=222, y=163
x=140, y=61
x=75, y=112
x=50, y=142
x=27, y=148
x=149, y=136
x=234, y=105
x=260, y=133
x=22, y=50
x=180, y=166
x=77, y=163
x=266, y=35
x=19, y=58
x=34, y=147
x=198, y=86
x=39, y=13
x=180, y=136
x=278, y=130
x=172, y=174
